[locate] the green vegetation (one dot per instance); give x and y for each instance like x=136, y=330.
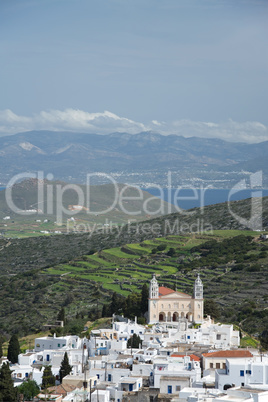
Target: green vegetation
x=29, y=389
x=249, y=342
x=13, y=349
x=80, y=273
x=65, y=367
x=48, y=379
x=8, y=393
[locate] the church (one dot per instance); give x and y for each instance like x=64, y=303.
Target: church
x=167, y=305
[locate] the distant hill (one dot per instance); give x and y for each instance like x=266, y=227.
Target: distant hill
x=71, y=156
x=36, y=206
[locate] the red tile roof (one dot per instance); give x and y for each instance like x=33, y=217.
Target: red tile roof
x=229, y=353
x=163, y=291
x=193, y=357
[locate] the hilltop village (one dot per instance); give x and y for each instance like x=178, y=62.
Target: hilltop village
x=178, y=356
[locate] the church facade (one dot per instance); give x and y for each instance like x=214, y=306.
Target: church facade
x=167, y=305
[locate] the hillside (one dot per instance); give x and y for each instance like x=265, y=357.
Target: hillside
x=143, y=158
x=233, y=266
x=80, y=271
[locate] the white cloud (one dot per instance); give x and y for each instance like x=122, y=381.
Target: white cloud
x=107, y=122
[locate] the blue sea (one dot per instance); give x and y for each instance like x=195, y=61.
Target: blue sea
x=192, y=198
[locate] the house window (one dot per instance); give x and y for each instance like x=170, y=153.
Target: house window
x=242, y=373
x=26, y=375
x=211, y=365
x=188, y=337
x=248, y=371
x=224, y=365
x=98, y=376
x=178, y=388
x=58, y=345
x=218, y=365
x=169, y=389
x=218, y=337
x=242, y=384
x=132, y=331
x=109, y=377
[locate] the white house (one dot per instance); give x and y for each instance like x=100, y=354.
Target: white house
x=49, y=342
x=251, y=372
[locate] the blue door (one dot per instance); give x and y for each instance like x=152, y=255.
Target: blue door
x=169, y=389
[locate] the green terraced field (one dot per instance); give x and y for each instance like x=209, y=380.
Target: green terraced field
x=122, y=272
x=118, y=271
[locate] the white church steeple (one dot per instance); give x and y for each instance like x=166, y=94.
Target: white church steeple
x=154, y=290
x=198, y=288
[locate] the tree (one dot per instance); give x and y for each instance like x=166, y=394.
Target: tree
x=134, y=342
x=264, y=339
x=61, y=315
x=114, y=304
x=8, y=392
x=48, y=379
x=1, y=348
x=211, y=308
x=29, y=389
x=13, y=349
x=65, y=367
x=105, y=311
x=171, y=252
x=144, y=298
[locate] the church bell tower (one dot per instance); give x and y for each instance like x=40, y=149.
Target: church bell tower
x=198, y=288
x=154, y=290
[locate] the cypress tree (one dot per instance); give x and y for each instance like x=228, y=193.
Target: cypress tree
x=134, y=342
x=65, y=367
x=114, y=304
x=48, y=379
x=61, y=315
x=13, y=349
x=144, y=298
x=8, y=392
x=104, y=312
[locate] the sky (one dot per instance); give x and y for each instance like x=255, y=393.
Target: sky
x=187, y=67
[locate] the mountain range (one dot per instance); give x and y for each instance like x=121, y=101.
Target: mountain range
x=71, y=156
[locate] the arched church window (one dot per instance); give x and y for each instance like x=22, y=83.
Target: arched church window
x=198, y=305
x=162, y=305
x=169, y=306
x=182, y=306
